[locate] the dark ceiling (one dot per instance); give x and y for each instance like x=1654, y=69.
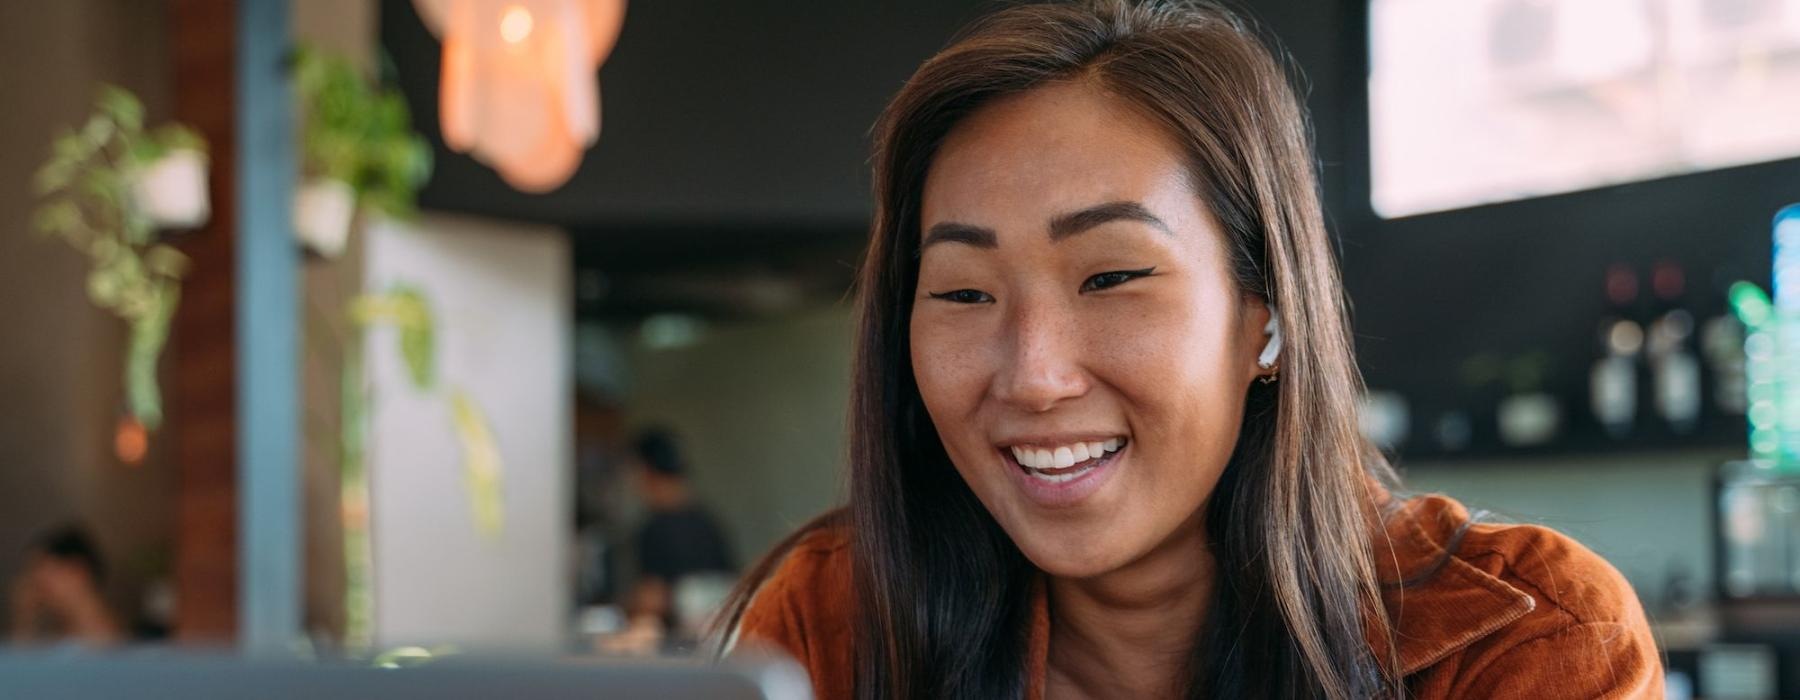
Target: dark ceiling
x=734, y=146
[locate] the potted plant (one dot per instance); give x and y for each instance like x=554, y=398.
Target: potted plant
x=106, y=190
x=169, y=184
x=358, y=150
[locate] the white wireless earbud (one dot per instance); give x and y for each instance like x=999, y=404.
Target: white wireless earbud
x=1273, y=349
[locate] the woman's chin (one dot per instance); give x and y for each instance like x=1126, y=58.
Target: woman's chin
x=1078, y=558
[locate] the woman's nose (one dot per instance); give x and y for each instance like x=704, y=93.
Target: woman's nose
x=1042, y=365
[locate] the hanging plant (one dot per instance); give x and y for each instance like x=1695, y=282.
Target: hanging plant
x=358, y=150
x=404, y=308
x=106, y=190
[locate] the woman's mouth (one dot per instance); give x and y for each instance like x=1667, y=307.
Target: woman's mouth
x=1058, y=472
x=1062, y=463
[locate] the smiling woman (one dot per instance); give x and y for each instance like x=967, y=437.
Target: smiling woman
x=1074, y=472
x=1098, y=305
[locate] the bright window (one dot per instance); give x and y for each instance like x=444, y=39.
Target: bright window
x=1477, y=101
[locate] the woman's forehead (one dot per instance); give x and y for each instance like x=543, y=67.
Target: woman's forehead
x=1048, y=151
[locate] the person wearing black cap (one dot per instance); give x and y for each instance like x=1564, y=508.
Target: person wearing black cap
x=680, y=539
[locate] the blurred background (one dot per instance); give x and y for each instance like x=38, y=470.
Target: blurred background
x=354, y=325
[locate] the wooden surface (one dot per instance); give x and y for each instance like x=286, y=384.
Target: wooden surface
x=205, y=369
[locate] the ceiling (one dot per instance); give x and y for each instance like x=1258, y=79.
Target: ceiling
x=730, y=175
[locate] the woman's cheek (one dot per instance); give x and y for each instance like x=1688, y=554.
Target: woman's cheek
x=945, y=363
x=1169, y=360
x=1141, y=334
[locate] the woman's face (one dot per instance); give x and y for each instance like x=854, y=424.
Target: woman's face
x=1077, y=336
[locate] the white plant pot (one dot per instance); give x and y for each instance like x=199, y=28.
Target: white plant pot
x=323, y=211
x=172, y=190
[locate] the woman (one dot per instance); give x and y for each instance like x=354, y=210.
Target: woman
x=1083, y=461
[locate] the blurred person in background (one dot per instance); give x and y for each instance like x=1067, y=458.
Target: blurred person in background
x=682, y=553
x=57, y=598
x=600, y=474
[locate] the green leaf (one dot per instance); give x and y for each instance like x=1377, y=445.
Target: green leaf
x=176, y=137
x=390, y=113
x=136, y=225
x=145, y=152
x=483, y=466
x=165, y=261
x=104, y=250
x=53, y=176
x=57, y=217
x=128, y=266
x=105, y=185
x=122, y=107
x=96, y=132
x=390, y=204
x=68, y=146
x=104, y=287
x=307, y=70
x=416, y=347
x=404, y=308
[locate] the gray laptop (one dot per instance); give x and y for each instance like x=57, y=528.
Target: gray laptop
x=79, y=677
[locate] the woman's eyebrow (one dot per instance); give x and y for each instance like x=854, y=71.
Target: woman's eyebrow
x=953, y=232
x=1066, y=225
x=1063, y=226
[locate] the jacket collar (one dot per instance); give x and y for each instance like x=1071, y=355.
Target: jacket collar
x=1437, y=602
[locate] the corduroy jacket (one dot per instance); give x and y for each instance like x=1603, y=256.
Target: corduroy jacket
x=1515, y=611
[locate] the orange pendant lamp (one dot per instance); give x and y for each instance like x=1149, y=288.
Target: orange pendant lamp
x=520, y=90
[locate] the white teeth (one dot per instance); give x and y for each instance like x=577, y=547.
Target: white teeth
x=1064, y=456
x=1057, y=478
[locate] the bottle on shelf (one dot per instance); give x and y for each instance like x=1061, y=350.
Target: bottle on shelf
x=1668, y=348
x=1722, y=344
x=1613, y=382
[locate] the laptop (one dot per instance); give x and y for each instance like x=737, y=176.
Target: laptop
x=184, y=677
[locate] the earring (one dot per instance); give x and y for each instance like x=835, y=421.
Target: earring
x=1271, y=377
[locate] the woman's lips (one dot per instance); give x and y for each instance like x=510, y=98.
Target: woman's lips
x=1064, y=481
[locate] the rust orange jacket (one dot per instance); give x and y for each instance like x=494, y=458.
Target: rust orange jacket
x=1516, y=611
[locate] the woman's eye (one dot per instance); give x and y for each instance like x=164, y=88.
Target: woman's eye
x=1108, y=280
x=963, y=296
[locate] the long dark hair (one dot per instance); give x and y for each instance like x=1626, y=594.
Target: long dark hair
x=941, y=593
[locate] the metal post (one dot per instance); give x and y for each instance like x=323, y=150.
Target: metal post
x=269, y=492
